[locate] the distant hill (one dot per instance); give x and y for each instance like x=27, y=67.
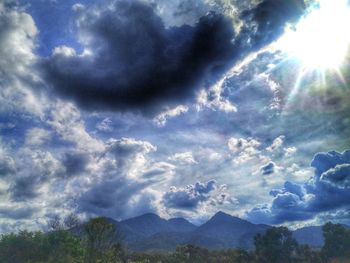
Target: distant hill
x=149, y=232
x=230, y=231
x=311, y=235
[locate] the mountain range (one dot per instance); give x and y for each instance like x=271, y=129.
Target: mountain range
x=150, y=232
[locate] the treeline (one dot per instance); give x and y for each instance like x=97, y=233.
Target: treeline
x=94, y=242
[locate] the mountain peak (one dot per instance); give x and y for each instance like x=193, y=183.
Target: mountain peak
x=149, y=215
x=221, y=217
x=221, y=214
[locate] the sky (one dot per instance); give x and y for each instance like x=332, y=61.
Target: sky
x=181, y=108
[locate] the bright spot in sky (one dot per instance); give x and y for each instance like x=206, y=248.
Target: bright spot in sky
x=321, y=39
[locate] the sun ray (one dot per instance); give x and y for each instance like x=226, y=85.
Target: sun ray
x=319, y=43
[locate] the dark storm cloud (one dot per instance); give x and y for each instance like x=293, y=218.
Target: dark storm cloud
x=7, y=166
x=266, y=22
x=13, y=213
x=328, y=190
x=268, y=168
x=116, y=199
x=139, y=64
x=189, y=197
x=24, y=188
x=74, y=163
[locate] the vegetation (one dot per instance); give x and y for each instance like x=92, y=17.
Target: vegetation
x=95, y=244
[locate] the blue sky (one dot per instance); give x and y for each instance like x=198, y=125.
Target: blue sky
x=181, y=108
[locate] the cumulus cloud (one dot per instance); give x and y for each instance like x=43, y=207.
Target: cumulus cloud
x=184, y=157
x=193, y=196
x=65, y=119
x=24, y=188
x=276, y=144
x=153, y=68
x=166, y=65
x=37, y=136
x=289, y=151
x=121, y=180
x=28, y=183
x=161, y=119
x=213, y=99
x=244, y=149
x=116, y=198
x=7, y=165
x=75, y=163
x=327, y=191
x=18, y=79
x=129, y=154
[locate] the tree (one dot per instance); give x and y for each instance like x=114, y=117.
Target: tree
x=71, y=221
x=309, y=255
x=190, y=253
x=277, y=245
x=22, y=247
x=101, y=241
x=337, y=241
x=52, y=247
x=55, y=223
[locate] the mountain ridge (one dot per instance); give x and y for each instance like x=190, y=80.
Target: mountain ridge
x=150, y=232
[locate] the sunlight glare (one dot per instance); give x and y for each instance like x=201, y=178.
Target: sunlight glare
x=321, y=39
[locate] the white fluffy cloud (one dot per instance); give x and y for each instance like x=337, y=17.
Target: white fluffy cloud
x=243, y=149
x=184, y=157
x=37, y=136
x=161, y=119
x=276, y=144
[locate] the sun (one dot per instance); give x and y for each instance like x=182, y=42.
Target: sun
x=321, y=39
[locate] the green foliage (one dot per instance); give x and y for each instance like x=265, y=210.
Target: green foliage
x=96, y=244
x=35, y=247
x=22, y=247
x=100, y=238
x=337, y=241
x=277, y=245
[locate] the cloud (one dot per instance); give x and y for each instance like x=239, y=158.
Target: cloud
x=276, y=144
x=129, y=154
x=121, y=179
x=37, y=136
x=105, y=125
x=37, y=169
x=24, y=188
x=327, y=191
x=339, y=176
x=116, y=198
x=193, y=196
x=7, y=165
x=16, y=213
x=65, y=119
x=164, y=64
x=161, y=119
x=18, y=79
x=133, y=62
x=268, y=168
x=213, y=99
x=184, y=157
x=244, y=149
x=75, y=163
x=289, y=151
x=266, y=21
